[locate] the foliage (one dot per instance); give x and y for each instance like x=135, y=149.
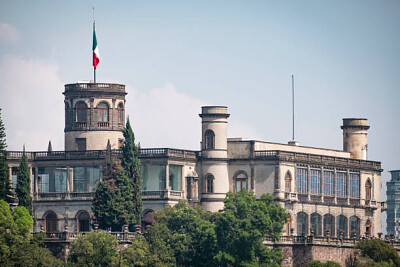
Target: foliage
x=131, y=165
x=16, y=248
x=137, y=254
x=93, y=249
x=317, y=263
x=242, y=226
x=23, y=189
x=376, y=252
x=5, y=187
x=117, y=200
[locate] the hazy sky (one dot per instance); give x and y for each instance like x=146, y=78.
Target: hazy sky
x=175, y=56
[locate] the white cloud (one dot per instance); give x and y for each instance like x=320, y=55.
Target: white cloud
x=8, y=34
x=32, y=103
x=165, y=117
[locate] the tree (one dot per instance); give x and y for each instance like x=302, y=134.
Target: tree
x=118, y=200
x=17, y=246
x=93, y=249
x=137, y=254
x=317, y=263
x=376, y=252
x=5, y=187
x=23, y=189
x=242, y=227
x=131, y=165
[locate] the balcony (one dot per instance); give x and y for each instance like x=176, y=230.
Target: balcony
x=103, y=124
x=57, y=196
x=162, y=194
x=317, y=159
x=106, y=87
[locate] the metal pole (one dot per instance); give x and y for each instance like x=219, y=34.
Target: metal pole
x=293, y=107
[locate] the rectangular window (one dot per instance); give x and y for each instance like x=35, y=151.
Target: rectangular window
x=302, y=176
x=80, y=144
x=315, y=182
x=93, y=176
x=341, y=184
x=60, y=179
x=79, y=179
x=175, y=177
x=354, y=185
x=328, y=182
x=14, y=177
x=43, y=181
x=153, y=177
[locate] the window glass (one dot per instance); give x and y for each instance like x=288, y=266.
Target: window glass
x=315, y=182
x=241, y=182
x=302, y=174
x=153, y=177
x=341, y=184
x=328, y=182
x=79, y=179
x=60, y=179
x=209, y=139
x=93, y=174
x=355, y=185
x=175, y=177
x=102, y=112
x=14, y=177
x=210, y=183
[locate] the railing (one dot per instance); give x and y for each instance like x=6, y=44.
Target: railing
x=162, y=194
x=100, y=154
x=95, y=87
x=72, y=236
x=316, y=159
x=80, y=125
x=103, y=124
x=64, y=195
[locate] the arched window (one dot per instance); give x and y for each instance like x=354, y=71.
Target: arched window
x=83, y=222
x=354, y=226
x=316, y=226
x=210, y=183
x=209, y=138
x=368, y=190
x=368, y=227
x=241, y=181
x=341, y=223
x=329, y=225
x=81, y=115
x=120, y=113
x=102, y=110
x=51, y=222
x=302, y=223
x=288, y=225
x=288, y=182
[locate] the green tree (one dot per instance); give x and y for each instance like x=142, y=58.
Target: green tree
x=5, y=187
x=187, y=232
x=93, y=249
x=23, y=189
x=117, y=200
x=17, y=246
x=242, y=227
x=317, y=263
x=376, y=252
x=131, y=165
x=137, y=254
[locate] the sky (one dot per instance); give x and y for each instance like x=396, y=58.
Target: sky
x=176, y=56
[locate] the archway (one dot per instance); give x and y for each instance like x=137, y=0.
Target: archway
x=84, y=222
x=51, y=222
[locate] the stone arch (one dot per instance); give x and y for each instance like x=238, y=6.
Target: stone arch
x=368, y=228
x=289, y=224
x=241, y=181
x=81, y=111
x=368, y=189
x=316, y=223
x=342, y=226
x=302, y=223
x=209, y=139
x=329, y=224
x=51, y=221
x=103, y=109
x=83, y=221
x=147, y=217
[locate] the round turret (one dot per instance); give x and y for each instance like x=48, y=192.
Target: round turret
x=355, y=137
x=94, y=115
x=214, y=162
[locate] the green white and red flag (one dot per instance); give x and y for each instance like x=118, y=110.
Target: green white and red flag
x=96, y=55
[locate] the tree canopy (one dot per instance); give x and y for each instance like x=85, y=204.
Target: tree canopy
x=17, y=245
x=23, y=189
x=5, y=187
x=376, y=252
x=117, y=199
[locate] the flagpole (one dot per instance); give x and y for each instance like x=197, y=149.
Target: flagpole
x=94, y=68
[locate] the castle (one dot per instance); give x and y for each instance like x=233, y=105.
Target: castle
x=326, y=192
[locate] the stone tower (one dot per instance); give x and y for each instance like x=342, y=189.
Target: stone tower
x=214, y=162
x=355, y=137
x=94, y=115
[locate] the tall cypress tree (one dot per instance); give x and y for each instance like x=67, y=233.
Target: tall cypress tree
x=23, y=189
x=5, y=187
x=131, y=165
x=118, y=198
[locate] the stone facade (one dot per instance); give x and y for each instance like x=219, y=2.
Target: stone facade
x=327, y=193
x=393, y=205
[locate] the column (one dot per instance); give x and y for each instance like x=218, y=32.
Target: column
x=348, y=186
x=10, y=175
x=334, y=186
x=31, y=179
x=36, y=186
x=308, y=183
x=167, y=177
x=322, y=183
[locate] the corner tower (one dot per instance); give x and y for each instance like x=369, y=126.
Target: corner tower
x=214, y=162
x=355, y=137
x=94, y=115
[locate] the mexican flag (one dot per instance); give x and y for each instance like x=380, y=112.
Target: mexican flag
x=96, y=55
